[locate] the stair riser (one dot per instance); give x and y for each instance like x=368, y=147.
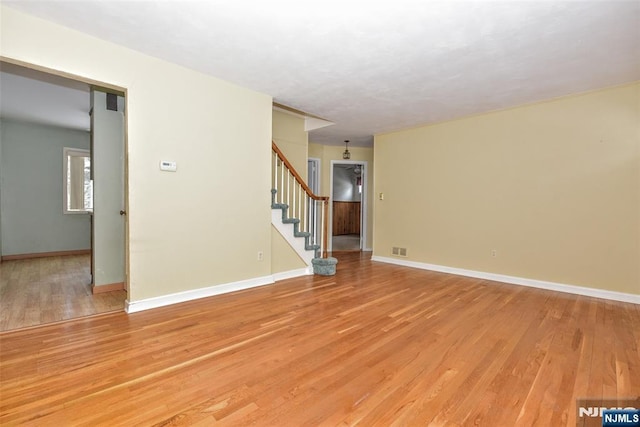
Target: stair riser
x=308, y=246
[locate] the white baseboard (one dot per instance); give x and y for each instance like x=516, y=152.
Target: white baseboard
x=293, y=273
x=552, y=286
x=161, y=301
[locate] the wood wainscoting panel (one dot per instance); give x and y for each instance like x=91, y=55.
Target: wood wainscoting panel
x=346, y=218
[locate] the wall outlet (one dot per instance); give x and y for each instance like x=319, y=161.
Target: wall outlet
x=494, y=253
x=260, y=255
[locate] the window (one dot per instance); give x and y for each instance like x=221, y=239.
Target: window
x=77, y=184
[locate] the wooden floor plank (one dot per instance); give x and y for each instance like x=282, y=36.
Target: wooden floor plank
x=38, y=291
x=374, y=345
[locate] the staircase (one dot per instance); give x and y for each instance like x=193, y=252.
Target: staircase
x=299, y=215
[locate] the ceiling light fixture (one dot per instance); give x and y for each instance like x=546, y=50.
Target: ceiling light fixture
x=346, y=155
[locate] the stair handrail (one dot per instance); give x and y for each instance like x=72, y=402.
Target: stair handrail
x=324, y=199
x=295, y=173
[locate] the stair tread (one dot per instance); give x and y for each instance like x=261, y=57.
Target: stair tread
x=296, y=224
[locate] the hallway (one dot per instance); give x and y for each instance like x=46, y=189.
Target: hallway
x=346, y=243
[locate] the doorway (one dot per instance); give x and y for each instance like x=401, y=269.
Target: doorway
x=46, y=138
x=107, y=172
x=348, y=207
x=313, y=174
x=313, y=182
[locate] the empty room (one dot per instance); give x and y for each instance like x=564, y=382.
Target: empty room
x=332, y=213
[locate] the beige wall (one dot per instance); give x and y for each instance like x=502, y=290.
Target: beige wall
x=283, y=258
x=326, y=153
x=553, y=187
x=187, y=229
x=291, y=138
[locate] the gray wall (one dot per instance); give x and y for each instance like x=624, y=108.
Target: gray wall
x=31, y=207
x=344, y=184
x=1, y=127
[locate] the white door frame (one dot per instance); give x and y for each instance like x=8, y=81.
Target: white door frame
x=314, y=185
x=316, y=162
x=363, y=204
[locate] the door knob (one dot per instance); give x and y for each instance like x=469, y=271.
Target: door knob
x=123, y=212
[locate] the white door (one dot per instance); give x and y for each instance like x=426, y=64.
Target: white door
x=107, y=151
x=313, y=173
x=313, y=181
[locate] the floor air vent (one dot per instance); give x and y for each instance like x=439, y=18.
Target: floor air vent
x=399, y=251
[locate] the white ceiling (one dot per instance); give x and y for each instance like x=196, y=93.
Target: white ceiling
x=377, y=66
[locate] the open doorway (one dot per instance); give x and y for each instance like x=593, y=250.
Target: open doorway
x=313, y=181
x=47, y=209
x=348, y=205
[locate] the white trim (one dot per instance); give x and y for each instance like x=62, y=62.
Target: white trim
x=161, y=301
x=363, y=203
x=541, y=284
x=318, y=164
x=293, y=273
x=66, y=153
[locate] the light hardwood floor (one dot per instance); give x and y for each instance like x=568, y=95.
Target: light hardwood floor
x=44, y=290
x=376, y=344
